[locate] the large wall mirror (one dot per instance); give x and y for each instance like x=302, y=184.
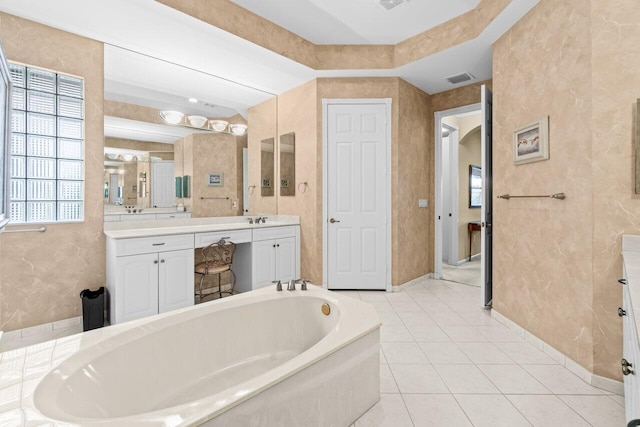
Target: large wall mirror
x=149, y=163
x=288, y=164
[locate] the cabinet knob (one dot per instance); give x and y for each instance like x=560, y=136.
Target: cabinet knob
x=162, y=261
x=155, y=261
x=621, y=312
x=626, y=368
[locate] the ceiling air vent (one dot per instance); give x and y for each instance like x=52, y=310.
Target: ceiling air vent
x=390, y=4
x=459, y=78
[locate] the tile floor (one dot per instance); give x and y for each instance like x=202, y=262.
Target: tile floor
x=467, y=273
x=445, y=362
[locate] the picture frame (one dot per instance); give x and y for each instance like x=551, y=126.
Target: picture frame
x=215, y=179
x=531, y=142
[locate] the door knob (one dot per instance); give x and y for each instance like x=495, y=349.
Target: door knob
x=333, y=221
x=626, y=368
x=621, y=312
x=486, y=224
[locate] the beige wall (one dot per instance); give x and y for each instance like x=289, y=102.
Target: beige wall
x=300, y=111
x=560, y=267
x=42, y=274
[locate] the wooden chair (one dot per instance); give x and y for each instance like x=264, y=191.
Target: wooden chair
x=218, y=259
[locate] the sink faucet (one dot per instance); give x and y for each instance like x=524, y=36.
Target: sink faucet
x=303, y=282
x=250, y=220
x=261, y=218
x=292, y=285
x=278, y=284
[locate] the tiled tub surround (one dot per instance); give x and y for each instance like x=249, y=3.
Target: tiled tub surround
x=291, y=365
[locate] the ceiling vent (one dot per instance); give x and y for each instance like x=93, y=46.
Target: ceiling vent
x=387, y=5
x=459, y=78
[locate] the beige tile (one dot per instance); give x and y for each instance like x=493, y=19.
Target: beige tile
x=403, y=352
x=448, y=318
x=547, y=411
x=444, y=353
x=491, y=411
x=599, y=411
x=406, y=306
x=435, y=410
x=415, y=318
x=10, y=397
x=387, y=382
x=372, y=295
x=559, y=380
x=485, y=354
x=463, y=333
x=398, y=296
x=390, y=411
x=499, y=333
x=395, y=333
x=512, y=379
x=526, y=354
x=418, y=379
x=618, y=399
x=389, y=318
x=467, y=379
x=429, y=333
x=430, y=307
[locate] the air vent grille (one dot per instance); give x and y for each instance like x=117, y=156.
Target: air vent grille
x=459, y=78
x=390, y=4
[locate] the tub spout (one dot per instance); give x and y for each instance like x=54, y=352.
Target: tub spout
x=278, y=284
x=292, y=285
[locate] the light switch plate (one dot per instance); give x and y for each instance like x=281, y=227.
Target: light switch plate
x=423, y=203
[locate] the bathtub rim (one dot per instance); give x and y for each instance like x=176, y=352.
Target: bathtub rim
x=357, y=319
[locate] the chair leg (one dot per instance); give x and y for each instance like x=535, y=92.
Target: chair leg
x=220, y=285
x=200, y=291
x=233, y=281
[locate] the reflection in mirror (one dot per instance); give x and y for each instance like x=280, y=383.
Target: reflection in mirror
x=267, y=162
x=288, y=164
x=146, y=158
x=475, y=186
x=637, y=147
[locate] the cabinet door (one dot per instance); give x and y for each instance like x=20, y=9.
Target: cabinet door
x=263, y=263
x=175, y=282
x=286, y=259
x=136, y=290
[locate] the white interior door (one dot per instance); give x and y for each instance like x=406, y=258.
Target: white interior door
x=162, y=186
x=357, y=196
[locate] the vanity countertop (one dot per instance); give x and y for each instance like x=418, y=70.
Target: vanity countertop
x=122, y=211
x=631, y=256
x=164, y=227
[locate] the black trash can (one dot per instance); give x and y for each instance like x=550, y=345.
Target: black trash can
x=92, y=308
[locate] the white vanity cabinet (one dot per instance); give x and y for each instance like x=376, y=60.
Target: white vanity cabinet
x=274, y=256
x=150, y=275
x=629, y=312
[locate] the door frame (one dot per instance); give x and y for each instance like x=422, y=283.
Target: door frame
x=438, y=116
x=325, y=178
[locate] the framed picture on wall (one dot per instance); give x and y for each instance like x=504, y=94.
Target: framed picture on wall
x=215, y=179
x=531, y=142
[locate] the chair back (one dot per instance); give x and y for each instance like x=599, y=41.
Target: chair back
x=219, y=253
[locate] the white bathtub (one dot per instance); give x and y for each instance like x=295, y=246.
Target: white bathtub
x=263, y=358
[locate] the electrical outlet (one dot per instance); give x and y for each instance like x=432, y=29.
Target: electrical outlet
x=423, y=203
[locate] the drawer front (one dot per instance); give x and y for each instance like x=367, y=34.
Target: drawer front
x=145, y=245
x=273, y=233
x=173, y=215
x=235, y=236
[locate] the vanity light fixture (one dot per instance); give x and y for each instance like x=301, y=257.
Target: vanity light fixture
x=176, y=118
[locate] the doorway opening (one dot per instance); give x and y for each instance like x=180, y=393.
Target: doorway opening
x=459, y=195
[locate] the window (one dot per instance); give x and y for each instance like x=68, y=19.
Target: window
x=47, y=146
x=475, y=186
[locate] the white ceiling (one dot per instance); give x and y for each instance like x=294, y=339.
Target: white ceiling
x=159, y=57
x=357, y=21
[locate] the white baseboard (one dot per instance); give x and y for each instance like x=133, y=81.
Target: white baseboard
x=413, y=282
x=589, y=377
x=44, y=330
